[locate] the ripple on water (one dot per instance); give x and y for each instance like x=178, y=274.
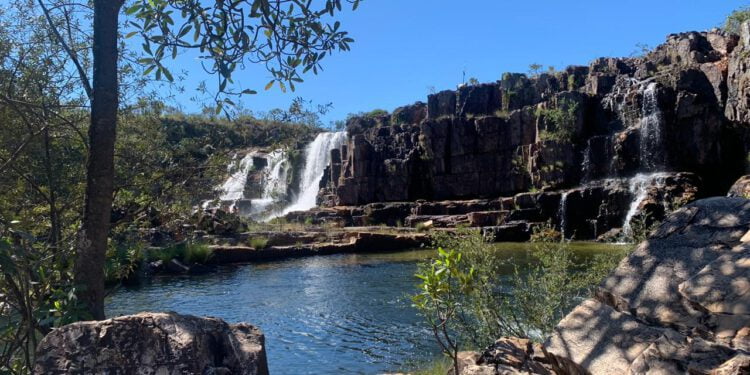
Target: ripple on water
x=338, y=314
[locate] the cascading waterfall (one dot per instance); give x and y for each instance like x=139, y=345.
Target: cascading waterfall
x=639, y=186
x=317, y=158
x=586, y=164
x=233, y=189
x=273, y=183
x=652, y=121
x=562, y=211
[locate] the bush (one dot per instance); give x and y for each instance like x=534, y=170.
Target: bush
x=444, y=281
x=562, y=120
x=122, y=262
x=736, y=19
x=37, y=295
x=190, y=253
x=527, y=304
x=259, y=242
x=197, y=253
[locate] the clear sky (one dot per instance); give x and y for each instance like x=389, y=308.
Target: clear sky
x=404, y=48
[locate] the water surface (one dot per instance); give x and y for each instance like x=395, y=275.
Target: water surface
x=338, y=314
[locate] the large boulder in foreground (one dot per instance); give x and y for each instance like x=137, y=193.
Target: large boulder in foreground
x=153, y=343
x=680, y=303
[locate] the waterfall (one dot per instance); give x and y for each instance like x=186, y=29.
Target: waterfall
x=651, y=150
x=639, y=186
x=317, y=158
x=586, y=164
x=233, y=189
x=561, y=213
x=274, y=182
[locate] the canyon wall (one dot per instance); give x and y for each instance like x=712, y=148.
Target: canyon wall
x=586, y=134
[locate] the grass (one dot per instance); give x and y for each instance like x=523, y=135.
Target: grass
x=438, y=366
x=259, y=242
x=422, y=227
x=191, y=253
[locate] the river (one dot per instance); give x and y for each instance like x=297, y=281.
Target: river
x=339, y=314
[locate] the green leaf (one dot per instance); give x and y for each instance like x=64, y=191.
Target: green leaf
x=249, y=92
x=130, y=34
x=167, y=74
x=269, y=85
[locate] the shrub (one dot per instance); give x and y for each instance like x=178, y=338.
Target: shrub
x=37, y=295
x=527, y=304
x=562, y=119
x=197, y=253
x=735, y=20
x=122, y=262
x=439, y=300
x=259, y=242
x=422, y=227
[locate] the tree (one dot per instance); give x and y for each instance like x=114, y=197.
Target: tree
x=285, y=36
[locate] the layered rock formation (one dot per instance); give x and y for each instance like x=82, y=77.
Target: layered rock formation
x=153, y=343
x=679, y=304
x=584, y=133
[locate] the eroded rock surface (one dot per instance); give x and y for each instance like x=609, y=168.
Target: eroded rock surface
x=153, y=343
x=679, y=304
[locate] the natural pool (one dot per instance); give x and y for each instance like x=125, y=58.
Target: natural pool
x=338, y=314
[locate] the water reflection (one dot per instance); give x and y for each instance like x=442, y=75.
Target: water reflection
x=341, y=314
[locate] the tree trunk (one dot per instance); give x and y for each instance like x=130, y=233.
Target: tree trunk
x=100, y=171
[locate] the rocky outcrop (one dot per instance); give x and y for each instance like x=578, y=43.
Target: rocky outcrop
x=582, y=213
x=681, y=108
x=741, y=188
x=361, y=241
x=679, y=304
x=153, y=343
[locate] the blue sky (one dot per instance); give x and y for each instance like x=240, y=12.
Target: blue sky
x=404, y=48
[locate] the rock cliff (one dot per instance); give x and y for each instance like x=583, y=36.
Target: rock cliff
x=678, y=114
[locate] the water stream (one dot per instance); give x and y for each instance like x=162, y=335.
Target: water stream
x=652, y=122
x=639, y=187
x=317, y=158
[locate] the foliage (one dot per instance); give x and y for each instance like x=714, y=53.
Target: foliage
x=438, y=366
x=535, y=69
x=735, y=20
x=300, y=112
x=288, y=41
x=422, y=227
x=188, y=252
x=259, y=242
x=443, y=281
x=561, y=121
x=531, y=301
x=37, y=295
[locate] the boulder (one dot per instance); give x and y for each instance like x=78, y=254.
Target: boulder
x=741, y=188
x=153, y=343
x=680, y=303
x=508, y=355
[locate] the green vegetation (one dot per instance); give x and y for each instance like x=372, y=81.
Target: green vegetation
x=259, y=242
x=560, y=120
x=422, y=227
x=187, y=252
x=735, y=20
x=468, y=306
